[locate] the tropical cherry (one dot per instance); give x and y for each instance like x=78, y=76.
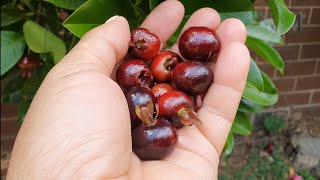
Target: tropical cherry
x=160, y=89
x=138, y=96
x=162, y=65
x=199, y=43
x=144, y=44
x=192, y=77
x=27, y=64
x=178, y=108
x=156, y=138
x=134, y=73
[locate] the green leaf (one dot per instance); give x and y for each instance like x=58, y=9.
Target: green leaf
x=283, y=18
x=254, y=76
x=267, y=97
x=265, y=51
x=10, y=16
x=23, y=107
x=96, y=12
x=241, y=124
x=219, y=5
x=154, y=3
x=12, y=48
x=11, y=92
x=229, y=145
x=67, y=4
x=262, y=33
x=41, y=40
x=249, y=106
x=246, y=17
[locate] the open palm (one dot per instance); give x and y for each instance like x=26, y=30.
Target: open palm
x=78, y=125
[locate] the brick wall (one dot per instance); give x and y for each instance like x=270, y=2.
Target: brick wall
x=299, y=87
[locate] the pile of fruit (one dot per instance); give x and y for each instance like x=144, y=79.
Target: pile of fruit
x=163, y=90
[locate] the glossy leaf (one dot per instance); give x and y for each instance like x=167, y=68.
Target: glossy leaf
x=283, y=17
x=41, y=40
x=96, y=12
x=241, y=124
x=249, y=106
x=266, y=52
x=267, y=97
x=254, y=76
x=10, y=16
x=262, y=33
x=228, y=147
x=67, y=4
x=12, y=48
x=219, y=5
x=246, y=17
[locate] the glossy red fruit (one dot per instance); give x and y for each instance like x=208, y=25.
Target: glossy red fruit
x=134, y=73
x=160, y=89
x=27, y=64
x=192, y=77
x=155, y=141
x=138, y=96
x=144, y=44
x=178, y=107
x=199, y=43
x=163, y=64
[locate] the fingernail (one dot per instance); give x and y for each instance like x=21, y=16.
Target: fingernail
x=112, y=18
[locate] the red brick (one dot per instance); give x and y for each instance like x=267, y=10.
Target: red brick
x=316, y=97
x=310, y=51
x=318, y=68
x=309, y=110
x=284, y=85
x=315, y=18
x=293, y=99
x=305, y=2
x=9, y=128
x=305, y=12
x=308, y=34
x=308, y=82
x=268, y=69
x=298, y=68
x=288, y=52
x=9, y=110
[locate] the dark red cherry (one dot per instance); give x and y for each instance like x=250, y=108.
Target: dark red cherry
x=160, y=89
x=156, y=141
x=27, y=64
x=178, y=107
x=138, y=96
x=134, y=73
x=144, y=44
x=192, y=77
x=162, y=65
x=199, y=43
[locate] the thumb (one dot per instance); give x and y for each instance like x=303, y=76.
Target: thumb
x=101, y=48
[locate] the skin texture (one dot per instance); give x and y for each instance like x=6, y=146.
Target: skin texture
x=199, y=43
x=138, y=96
x=192, y=77
x=144, y=44
x=163, y=64
x=78, y=125
x=134, y=73
x=154, y=142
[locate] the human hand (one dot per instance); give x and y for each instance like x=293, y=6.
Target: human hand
x=78, y=125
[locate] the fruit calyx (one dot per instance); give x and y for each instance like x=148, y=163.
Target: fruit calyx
x=140, y=44
x=145, y=78
x=188, y=117
x=148, y=114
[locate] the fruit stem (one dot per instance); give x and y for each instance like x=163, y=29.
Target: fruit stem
x=146, y=113
x=188, y=117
